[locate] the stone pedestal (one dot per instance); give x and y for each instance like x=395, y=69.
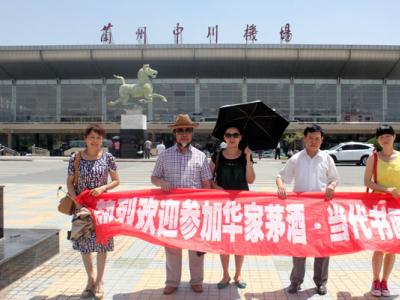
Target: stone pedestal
x=132, y=135
x=22, y=250
x=1, y=211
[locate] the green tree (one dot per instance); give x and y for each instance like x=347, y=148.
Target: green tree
x=294, y=140
x=374, y=141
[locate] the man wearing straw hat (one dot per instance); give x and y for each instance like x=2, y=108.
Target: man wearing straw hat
x=182, y=166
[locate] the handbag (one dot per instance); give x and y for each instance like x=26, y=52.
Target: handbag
x=374, y=169
x=67, y=205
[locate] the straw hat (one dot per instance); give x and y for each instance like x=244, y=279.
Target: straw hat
x=183, y=121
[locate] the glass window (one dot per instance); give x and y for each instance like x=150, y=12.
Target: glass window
x=362, y=102
x=360, y=147
x=180, y=98
x=215, y=95
x=275, y=95
x=6, y=113
x=348, y=147
x=36, y=103
x=80, y=102
x=393, y=103
x=179, y=93
x=315, y=102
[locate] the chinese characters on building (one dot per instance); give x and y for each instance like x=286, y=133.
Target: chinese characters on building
x=177, y=34
x=141, y=35
x=212, y=34
x=250, y=33
x=285, y=33
x=106, y=35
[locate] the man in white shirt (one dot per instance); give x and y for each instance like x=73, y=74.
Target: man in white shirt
x=312, y=170
x=278, y=151
x=160, y=148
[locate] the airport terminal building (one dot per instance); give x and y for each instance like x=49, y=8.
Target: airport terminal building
x=49, y=93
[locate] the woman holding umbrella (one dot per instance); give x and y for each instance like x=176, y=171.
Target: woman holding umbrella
x=233, y=170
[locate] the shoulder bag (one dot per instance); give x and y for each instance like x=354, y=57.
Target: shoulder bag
x=67, y=205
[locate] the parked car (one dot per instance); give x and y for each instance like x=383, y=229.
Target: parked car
x=267, y=154
x=79, y=145
x=351, y=152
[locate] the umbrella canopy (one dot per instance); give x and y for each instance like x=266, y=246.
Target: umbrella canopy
x=261, y=126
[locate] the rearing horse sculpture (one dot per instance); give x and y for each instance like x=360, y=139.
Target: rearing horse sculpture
x=144, y=88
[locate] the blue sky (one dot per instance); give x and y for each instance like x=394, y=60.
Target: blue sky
x=77, y=22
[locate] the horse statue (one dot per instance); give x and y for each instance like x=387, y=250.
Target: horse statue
x=144, y=88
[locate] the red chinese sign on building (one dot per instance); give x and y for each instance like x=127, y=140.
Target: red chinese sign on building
x=285, y=33
x=212, y=34
x=250, y=33
x=178, y=34
x=106, y=36
x=141, y=35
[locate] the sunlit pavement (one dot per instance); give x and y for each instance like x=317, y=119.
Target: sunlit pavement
x=136, y=269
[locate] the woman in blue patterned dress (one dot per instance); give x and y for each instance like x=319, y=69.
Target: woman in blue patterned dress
x=94, y=168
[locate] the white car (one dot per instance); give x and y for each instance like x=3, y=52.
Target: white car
x=79, y=145
x=351, y=152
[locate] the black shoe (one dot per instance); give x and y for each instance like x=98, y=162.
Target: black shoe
x=293, y=288
x=321, y=289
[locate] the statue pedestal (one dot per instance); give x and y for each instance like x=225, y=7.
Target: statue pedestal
x=132, y=134
x=1, y=212
x=22, y=250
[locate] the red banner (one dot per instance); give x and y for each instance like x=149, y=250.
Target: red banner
x=250, y=223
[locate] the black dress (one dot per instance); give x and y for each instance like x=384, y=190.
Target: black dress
x=231, y=173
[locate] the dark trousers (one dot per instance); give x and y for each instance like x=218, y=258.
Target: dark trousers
x=147, y=153
x=278, y=153
x=321, y=266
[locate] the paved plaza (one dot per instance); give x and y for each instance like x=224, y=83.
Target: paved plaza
x=136, y=269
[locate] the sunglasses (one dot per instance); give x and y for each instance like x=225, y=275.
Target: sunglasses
x=184, y=130
x=232, y=135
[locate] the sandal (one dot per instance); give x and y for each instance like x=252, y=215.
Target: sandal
x=87, y=292
x=221, y=285
x=240, y=284
x=98, y=294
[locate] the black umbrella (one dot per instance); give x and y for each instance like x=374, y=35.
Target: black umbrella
x=261, y=126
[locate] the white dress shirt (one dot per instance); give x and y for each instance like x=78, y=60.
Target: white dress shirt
x=309, y=174
x=160, y=148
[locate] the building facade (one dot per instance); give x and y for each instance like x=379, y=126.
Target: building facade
x=49, y=93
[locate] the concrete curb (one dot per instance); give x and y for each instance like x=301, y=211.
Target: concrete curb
x=65, y=158
x=15, y=158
